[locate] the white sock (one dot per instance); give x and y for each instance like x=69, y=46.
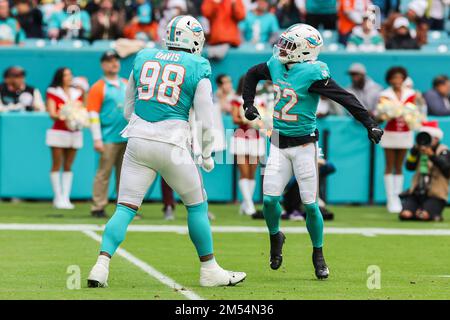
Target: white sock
x=56, y=185
x=398, y=184
x=389, y=186
x=103, y=260
x=244, y=187
x=251, y=188
x=210, y=264
x=67, y=178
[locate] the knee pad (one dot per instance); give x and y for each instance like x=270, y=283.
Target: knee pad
x=271, y=200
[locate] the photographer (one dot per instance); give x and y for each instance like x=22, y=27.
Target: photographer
x=426, y=198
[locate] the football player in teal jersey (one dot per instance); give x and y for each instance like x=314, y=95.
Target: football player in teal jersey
x=162, y=88
x=298, y=79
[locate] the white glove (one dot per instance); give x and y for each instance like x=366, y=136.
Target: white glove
x=208, y=164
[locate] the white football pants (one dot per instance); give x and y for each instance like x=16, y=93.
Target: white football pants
x=142, y=161
x=300, y=161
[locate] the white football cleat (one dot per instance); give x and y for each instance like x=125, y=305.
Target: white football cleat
x=98, y=276
x=216, y=277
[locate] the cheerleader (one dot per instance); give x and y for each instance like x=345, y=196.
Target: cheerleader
x=62, y=141
x=397, y=138
x=248, y=145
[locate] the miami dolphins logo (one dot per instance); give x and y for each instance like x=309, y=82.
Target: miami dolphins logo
x=313, y=41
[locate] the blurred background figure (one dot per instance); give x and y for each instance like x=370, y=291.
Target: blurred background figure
x=105, y=104
x=426, y=198
x=30, y=18
x=287, y=13
x=141, y=27
x=363, y=87
x=260, y=25
x=16, y=95
x=224, y=93
x=70, y=23
x=319, y=14
x=62, y=141
x=223, y=17
x=247, y=144
x=436, y=14
x=350, y=14
x=365, y=37
x=400, y=37
x=10, y=30
x=438, y=98
x=107, y=23
x=397, y=138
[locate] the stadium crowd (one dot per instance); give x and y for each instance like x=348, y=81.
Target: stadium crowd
x=360, y=25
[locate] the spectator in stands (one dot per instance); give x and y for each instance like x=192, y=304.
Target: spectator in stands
x=319, y=13
x=69, y=23
x=29, y=18
x=287, y=13
x=107, y=23
x=350, y=14
x=386, y=7
x=10, y=30
x=141, y=26
x=48, y=8
x=436, y=14
x=416, y=15
x=401, y=37
x=63, y=142
x=365, y=37
x=105, y=104
x=438, y=98
x=260, y=25
x=16, y=95
x=363, y=87
x=224, y=92
x=426, y=198
x=223, y=17
x=397, y=138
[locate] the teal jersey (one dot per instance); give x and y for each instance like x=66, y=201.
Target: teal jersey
x=259, y=28
x=321, y=6
x=10, y=31
x=166, y=81
x=295, y=107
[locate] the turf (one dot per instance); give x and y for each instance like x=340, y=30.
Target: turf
x=34, y=263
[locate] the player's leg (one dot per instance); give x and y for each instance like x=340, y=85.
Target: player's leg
x=135, y=179
x=306, y=172
x=277, y=173
x=182, y=175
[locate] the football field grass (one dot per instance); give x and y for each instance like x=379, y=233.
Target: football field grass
x=40, y=248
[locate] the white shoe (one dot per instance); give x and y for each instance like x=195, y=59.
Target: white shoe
x=396, y=205
x=66, y=204
x=98, y=276
x=58, y=204
x=250, y=208
x=215, y=277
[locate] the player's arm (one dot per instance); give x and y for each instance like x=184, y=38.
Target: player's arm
x=252, y=77
x=129, y=97
x=94, y=105
x=203, y=108
x=330, y=89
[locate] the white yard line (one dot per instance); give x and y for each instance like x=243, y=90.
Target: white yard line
x=148, y=269
x=226, y=229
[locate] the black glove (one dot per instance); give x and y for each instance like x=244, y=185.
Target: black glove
x=251, y=113
x=375, y=134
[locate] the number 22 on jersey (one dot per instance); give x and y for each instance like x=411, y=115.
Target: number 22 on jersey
x=283, y=112
x=169, y=89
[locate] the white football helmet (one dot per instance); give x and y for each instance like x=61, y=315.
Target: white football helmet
x=298, y=43
x=185, y=32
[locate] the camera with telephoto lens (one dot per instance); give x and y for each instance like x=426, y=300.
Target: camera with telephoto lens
x=423, y=139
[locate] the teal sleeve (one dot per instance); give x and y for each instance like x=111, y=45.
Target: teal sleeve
x=204, y=70
x=320, y=71
x=20, y=36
